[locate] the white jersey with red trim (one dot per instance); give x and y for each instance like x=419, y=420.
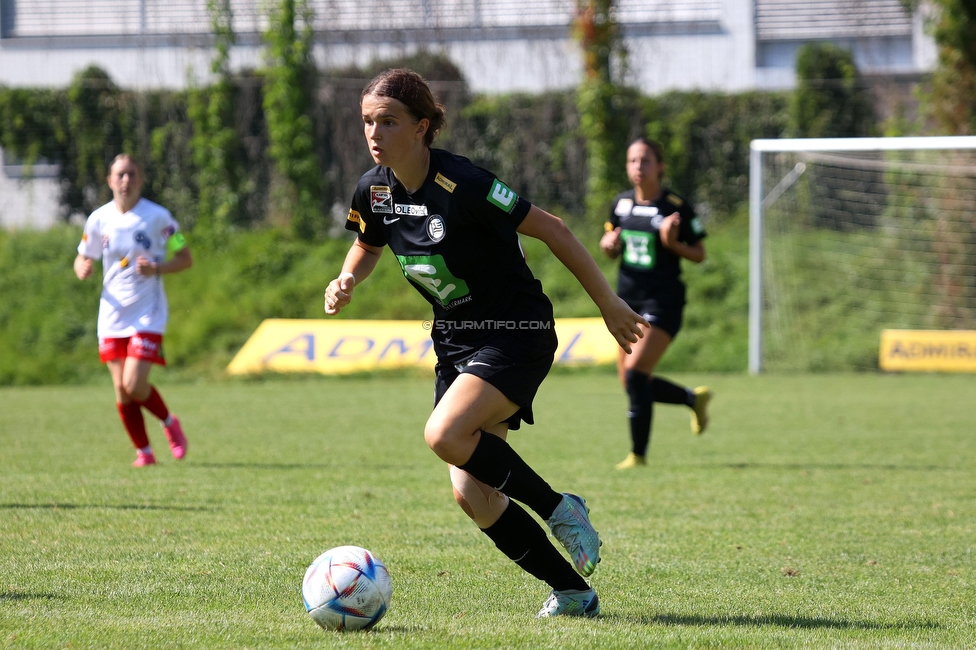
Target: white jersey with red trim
x=130, y=302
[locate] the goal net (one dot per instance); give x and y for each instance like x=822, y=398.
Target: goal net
x=851, y=236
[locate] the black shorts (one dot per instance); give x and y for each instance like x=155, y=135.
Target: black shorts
x=513, y=370
x=662, y=314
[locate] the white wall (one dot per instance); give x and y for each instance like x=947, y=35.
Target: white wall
x=28, y=203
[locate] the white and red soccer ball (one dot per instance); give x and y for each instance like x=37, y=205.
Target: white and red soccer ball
x=346, y=588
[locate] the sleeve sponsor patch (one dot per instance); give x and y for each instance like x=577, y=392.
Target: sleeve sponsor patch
x=607, y=227
x=502, y=197
x=175, y=243
x=444, y=182
x=355, y=217
x=675, y=201
x=380, y=199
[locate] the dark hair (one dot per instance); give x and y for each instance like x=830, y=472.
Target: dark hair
x=653, y=145
x=412, y=90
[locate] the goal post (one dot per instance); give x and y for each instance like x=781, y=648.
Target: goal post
x=848, y=236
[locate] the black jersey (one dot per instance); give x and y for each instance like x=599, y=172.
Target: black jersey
x=649, y=270
x=456, y=241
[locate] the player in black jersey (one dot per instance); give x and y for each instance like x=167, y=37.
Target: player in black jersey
x=651, y=229
x=454, y=228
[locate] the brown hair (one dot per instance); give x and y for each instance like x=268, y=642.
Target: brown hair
x=412, y=90
x=125, y=156
x=656, y=147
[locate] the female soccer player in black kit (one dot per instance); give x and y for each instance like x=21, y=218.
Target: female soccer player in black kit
x=651, y=228
x=454, y=229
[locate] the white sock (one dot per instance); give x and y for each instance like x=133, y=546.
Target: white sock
x=146, y=450
x=168, y=421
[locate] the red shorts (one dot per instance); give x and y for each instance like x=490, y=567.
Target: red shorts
x=140, y=346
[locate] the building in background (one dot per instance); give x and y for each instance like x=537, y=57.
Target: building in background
x=500, y=45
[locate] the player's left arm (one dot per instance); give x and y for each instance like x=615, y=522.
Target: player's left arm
x=673, y=227
x=621, y=320
x=180, y=258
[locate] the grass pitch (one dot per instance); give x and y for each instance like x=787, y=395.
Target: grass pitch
x=816, y=511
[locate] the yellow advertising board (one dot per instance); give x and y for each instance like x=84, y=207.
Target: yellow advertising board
x=343, y=346
x=928, y=350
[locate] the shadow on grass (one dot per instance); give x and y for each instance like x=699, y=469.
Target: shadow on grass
x=20, y=595
x=843, y=466
x=263, y=465
x=775, y=620
x=97, y=506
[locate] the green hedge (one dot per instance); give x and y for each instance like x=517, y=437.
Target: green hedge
x=48, y=317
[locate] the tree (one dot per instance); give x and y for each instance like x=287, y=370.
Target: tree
x=216, y=146
x=829, y=100
x=603, y=120
x=288, y=102
x=953, y=98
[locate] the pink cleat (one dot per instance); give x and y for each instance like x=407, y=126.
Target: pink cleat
x=177, y=441
x=143, y=459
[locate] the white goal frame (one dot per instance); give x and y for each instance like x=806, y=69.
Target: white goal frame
x=757, y=200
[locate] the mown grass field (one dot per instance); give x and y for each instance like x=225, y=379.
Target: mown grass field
x=818, y=511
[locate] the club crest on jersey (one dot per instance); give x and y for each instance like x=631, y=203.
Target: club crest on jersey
x=436, y=229
x=501, y=196
x=142, y=239
x=380, y=199
x=410, y=210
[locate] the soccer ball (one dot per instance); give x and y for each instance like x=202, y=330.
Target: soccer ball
x=347, y=588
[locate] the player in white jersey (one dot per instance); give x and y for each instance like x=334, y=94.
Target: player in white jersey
x=133, y=238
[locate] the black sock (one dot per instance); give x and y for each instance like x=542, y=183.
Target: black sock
x=495, y=463
x=522, y=539
x=667, y=393
x=641, y=410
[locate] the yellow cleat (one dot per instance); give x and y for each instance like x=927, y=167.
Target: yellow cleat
x=632, y=460
x=699, y=412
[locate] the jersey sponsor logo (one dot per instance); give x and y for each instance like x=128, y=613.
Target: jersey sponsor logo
x=623, y=207
x=355, y=217
x=638, y=249
x=697, y=226
x=431, y=273
x=142, y=239
x=676, y=201
x=436, y=229
x=644, y=210
x=501, y=196
x=410, y=210
x=380, y=199
x=656, y=221
x=444, y=182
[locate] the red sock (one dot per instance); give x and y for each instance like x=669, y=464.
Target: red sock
x=155, y=404
x=135, y=426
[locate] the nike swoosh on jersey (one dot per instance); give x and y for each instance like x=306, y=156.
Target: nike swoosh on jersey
x=388, y=221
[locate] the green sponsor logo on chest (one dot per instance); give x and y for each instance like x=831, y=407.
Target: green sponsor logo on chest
x=638, y=248
x=431, y=273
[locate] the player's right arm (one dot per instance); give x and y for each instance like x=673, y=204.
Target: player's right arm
x=83, y=266
x=360, y=262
